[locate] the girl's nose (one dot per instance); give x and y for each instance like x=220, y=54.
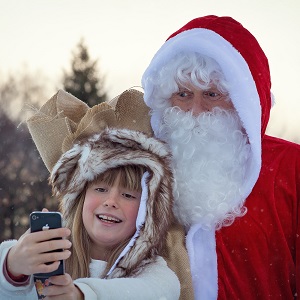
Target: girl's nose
x=111, y=201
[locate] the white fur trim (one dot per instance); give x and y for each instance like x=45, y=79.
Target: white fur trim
x=201, y=246
x=273, y=102
x=140, y=219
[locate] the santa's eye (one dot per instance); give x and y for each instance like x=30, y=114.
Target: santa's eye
x=183, y=94
x=212, y=95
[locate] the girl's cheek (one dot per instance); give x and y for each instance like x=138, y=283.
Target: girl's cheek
x=88, y=205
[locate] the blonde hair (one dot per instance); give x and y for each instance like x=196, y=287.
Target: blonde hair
x=78, y=263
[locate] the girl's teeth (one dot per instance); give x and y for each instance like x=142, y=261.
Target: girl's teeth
x=109, y=219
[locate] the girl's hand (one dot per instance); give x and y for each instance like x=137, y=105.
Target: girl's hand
x=62, y=288
x=28, y=255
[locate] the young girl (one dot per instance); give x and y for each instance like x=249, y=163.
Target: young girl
x=114, y=185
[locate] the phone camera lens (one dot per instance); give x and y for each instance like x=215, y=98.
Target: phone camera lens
x=34, y=217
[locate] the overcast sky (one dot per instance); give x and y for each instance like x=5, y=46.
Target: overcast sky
x=125, y=34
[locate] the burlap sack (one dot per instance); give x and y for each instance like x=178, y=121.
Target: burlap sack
x=177, y=258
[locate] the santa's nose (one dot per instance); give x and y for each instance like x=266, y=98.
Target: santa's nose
x=198, y=104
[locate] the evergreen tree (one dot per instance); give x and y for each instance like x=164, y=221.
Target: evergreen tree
x=23, y=176
x=84, y=81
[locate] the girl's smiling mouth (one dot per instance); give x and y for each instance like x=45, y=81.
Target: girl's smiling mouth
x=108, y=219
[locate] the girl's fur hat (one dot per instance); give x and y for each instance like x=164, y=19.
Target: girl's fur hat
x=105, y=137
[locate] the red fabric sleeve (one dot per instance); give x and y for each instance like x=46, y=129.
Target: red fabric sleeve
x=24, y=280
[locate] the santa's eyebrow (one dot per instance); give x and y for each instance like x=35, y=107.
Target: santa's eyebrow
x=182, y=88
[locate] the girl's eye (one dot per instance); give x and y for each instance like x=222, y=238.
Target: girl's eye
x=101, y=190
x=129, y=196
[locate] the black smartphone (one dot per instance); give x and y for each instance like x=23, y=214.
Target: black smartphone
x=41, y=221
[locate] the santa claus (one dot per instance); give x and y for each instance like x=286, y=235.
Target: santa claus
x=237, y=190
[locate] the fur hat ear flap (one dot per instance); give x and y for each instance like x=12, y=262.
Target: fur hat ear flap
x=66, y=176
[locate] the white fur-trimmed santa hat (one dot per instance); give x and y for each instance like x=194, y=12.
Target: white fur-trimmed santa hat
x=244, y=65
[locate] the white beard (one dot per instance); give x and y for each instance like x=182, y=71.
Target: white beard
x=210, y=154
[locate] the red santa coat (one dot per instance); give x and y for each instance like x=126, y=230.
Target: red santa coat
x=257, y=257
